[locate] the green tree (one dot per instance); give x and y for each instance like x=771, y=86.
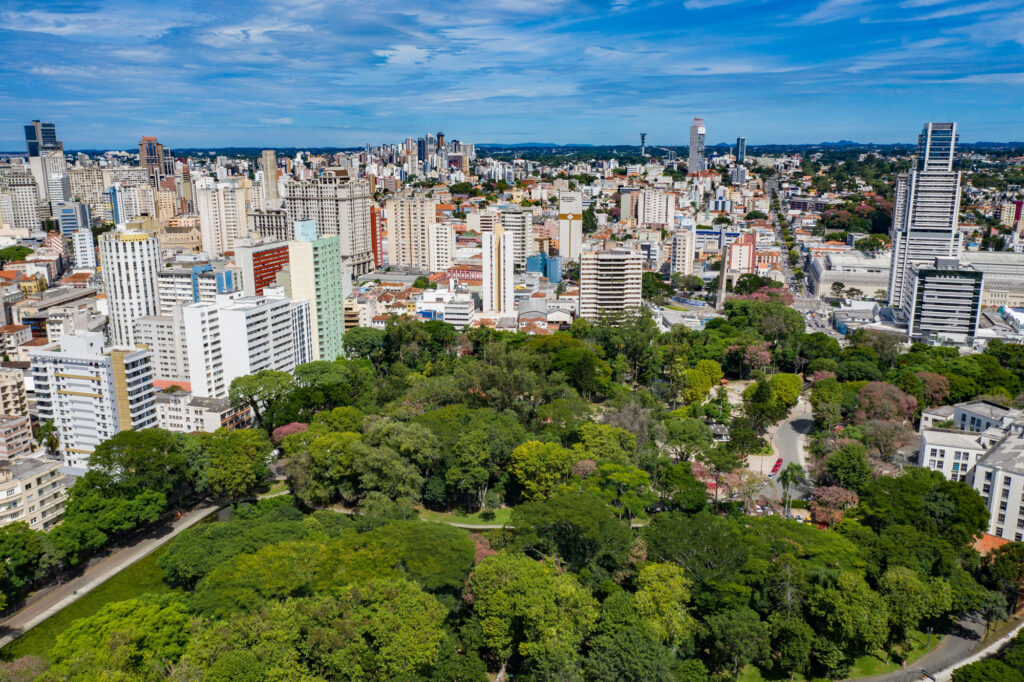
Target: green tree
x=848, y=467
x=662, y=602
x=236, y=461
x=707, y=547
x=540, y=467
x=736, y=638
x=260, y=391
x=529, y=608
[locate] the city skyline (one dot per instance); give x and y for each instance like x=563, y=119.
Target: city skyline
x=307, y=74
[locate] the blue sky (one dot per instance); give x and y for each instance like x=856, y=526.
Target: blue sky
x=311, y=72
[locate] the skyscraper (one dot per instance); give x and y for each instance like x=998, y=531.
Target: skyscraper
x=157, y=160
x=926, y=207
x=570, y=225
x=130, y=262
x=40, y=140
x=270, y=176
x=695, y=163
x=409, y=221
x=222, y=217
x=741, y=149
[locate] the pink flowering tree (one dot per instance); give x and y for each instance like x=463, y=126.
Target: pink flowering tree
x=882, y=400
x=281, y=432
x=829, y=504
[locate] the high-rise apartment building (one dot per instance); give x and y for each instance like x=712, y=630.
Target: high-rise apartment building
x=57, y=185
x=84, y=248
x=926, y=208
x=519, y=225
x=24, y=194
x=164, y=337
x=441, y=246
x=610, y=282
x=570, y=225
x=655, y=207
x=409, y=220
x=683, y=247
x=696, y=161
x=130, y=261
x=238, y=335
x=222, y=216
x=340, y=204
x=272, y=225
x=315, y=273
x=741, y=150
x=91, y=392
x=498, y=265
x=259, y=265
x=130, y=201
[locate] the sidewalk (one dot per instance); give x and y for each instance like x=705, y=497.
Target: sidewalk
x=39, y=608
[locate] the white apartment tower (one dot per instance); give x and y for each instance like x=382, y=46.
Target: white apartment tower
x=519, y=225
x=942, y=301
x=926, y=208
x=498, y=265
x=441, y=246
x=683, y=246
x=570, y=225
x=239, y=335
x=340, y=205
x=91, y=392
x=84, y=248
x=409, y=222
x=130, y=261
x=222, y=217
x=696, y=161
x=655, y=207
x=610, y=282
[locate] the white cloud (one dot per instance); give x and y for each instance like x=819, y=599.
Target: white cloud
x=833, y=10
x=404, y=55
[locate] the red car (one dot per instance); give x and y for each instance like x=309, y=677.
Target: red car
x=775, y=469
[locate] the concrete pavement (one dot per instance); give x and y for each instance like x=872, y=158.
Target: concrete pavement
x=44, y=604
x=787, y=441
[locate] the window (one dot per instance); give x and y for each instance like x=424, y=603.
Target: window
x=1017, y=537
x=985, y=488
x=931, y=463
x=1006, y=480
x=999, y=532
x=1006, y=494
x=988, y=475
x=1002, y=506
x=1001, y=518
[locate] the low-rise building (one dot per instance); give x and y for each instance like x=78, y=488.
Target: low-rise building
x=182, y=412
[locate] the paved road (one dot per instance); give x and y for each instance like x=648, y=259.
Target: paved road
x=952, y=650
x=787, y=441
x=45, y=604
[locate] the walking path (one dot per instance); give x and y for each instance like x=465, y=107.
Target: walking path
x=44, y=604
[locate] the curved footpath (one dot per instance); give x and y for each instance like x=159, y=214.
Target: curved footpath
x=45, y=603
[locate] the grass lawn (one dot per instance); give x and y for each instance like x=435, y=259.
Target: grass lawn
x=141, y=577
x=275, y=488
x=501, y=517
x=865, y=666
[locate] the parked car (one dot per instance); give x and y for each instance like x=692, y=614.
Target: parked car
x=775, y=469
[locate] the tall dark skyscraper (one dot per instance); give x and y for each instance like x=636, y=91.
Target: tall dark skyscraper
x=41, y=138
x=157, y=160
x=741, y=149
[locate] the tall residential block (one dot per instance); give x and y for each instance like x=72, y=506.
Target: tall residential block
x=696, y=161
x=130, y=261
x=238, y=335
x=315, y=273
x=570, y=225
x=610, y=282
x=498, y=265
x=222, y=216
x=84, y=248
x=409, y=220
x=926, y=208
x=441, y=246
x=683, y=247
x=655, y=207
x=519, y=225
x=339, y=203
x=92, y=392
